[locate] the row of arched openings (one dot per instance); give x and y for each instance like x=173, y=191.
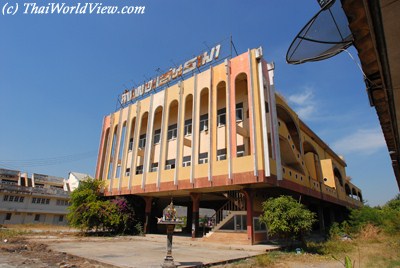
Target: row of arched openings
x=311, y=157
x=137, y=143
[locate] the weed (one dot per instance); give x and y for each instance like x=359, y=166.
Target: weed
x=10, y=233
x=265, y=260
x=330, y=247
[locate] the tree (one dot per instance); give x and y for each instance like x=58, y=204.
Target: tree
x=387, y=217
x=364, y=215
x=89, y=210
x=394, y=203
x=287, y=218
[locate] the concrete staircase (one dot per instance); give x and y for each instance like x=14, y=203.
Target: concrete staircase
x=236, y=205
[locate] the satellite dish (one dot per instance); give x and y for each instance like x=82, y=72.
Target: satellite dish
x=324, y=36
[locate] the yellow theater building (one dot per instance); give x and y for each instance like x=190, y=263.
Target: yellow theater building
x=213, y=133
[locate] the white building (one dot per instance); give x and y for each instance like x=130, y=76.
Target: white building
x=74, y=178
x=36, y=199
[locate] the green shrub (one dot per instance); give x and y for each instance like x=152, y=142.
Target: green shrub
x=387, y=218
x=364, y=215
x=89, y=210
x=287, y=218
x=391, y=216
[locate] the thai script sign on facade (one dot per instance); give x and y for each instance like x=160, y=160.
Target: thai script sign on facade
x=172, y=74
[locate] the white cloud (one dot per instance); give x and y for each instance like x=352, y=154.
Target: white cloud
x=363, y=141
x=304, y=103
x=302, y=98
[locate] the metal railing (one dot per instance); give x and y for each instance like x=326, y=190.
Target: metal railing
x=236, y=202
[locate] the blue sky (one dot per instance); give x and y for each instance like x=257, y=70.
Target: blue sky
x=60, y=74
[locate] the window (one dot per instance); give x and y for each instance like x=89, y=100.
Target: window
x=172, y=132
x=60, y=218
x=266, y=107
x=130, y=148
x=118, y=172
x=61, y=202
x=203, y=158
x=122, y=142
x=8, y=216
x=38, y=200
x=258, y=225
x=187, y=161
x=170, y=164
x=37, y=217
x=13, y=198
x=142, y=141
x=239, y=111
x=221, y=117
x=221, y=157
x=154, y=167
x=188, y=127
x=127, y=172
x=240, y=151
x=139, y=170
x=204, y=122
x=236, y=223
x=157, y=136
x=4, y=181
x=221, y=154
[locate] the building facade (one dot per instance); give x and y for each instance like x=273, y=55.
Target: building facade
x=74, y=179
x=221, y=138
x=36, y=199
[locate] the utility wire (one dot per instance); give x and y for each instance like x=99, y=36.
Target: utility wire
x=40, y=162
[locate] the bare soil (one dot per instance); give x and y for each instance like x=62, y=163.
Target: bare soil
x=370, y=249
x=21, y=250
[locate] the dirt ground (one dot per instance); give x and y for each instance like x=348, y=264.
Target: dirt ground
x=23, y=252
x=19, y=252
x=29, y=249
x=19, y=249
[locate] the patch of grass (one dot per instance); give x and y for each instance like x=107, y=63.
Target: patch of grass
x=10, y=233
x=39, y=226
x=265, y=260
x=393, y=264
x=380, y=252
x=330, y=247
